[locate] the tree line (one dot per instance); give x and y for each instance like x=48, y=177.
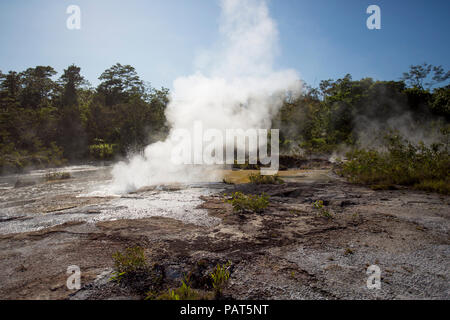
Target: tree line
x=338, y=111
x=47, y=122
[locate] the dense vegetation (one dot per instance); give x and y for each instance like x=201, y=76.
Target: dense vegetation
x=390, y=132
x=46, y=121
x=402, y=163
x=347, y=113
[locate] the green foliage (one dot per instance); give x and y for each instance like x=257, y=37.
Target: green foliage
x=440, y=103
x=132, y=260
x=248, y=203
x=439, y=186
x=220, y=277
x=102, y=151
x=119, y=83
x=15, y=159
x=264, y=179
x=43, y=121
x=318, y=205
x=418, y=74
x=403, y=163
x=184, y=292
x=320, y=120
x=52, y=176
x=170, y=295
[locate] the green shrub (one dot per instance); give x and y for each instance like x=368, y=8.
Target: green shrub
x=253, y=203
x=318, y=205
x=220, y=277
x=402, y=163
x=15, y=159
x=52, y=176
x=102, y=151
x=440, y=186
x=264, y=179
x=132, y=260
x=184, y=292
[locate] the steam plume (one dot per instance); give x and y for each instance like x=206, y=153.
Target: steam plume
x=236, y=87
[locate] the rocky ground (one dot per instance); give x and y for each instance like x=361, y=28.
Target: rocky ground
x=290, y=251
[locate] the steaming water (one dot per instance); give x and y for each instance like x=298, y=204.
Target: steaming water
x=235, y=86
x=86, y=197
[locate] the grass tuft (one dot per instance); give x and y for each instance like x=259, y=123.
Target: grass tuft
x=248, y=203
x=220, y=278
x=264, y=179
x=54, y=176
x=131, y=261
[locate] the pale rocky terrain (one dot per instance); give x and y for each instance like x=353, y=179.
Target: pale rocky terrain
x=290, y=251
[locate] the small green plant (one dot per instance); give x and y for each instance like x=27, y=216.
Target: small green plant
x=54, y=176
x=348, y=251
x=318, y=205
x=220, y=277
x=184, y=292
x=173, y=295
x=101, y=150
x=327, y=214
x=264, y=179
x=132, y=260
x=253, y=203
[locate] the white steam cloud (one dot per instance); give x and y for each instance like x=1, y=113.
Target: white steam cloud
x=237, y=88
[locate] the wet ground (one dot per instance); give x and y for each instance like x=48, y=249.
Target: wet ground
x=29, y=202
x=290, y=251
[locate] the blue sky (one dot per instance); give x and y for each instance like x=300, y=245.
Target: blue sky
x=321, y=39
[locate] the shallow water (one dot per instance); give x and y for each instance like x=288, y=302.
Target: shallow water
x=87, y=196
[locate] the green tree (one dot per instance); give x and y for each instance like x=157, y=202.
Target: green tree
x=425, y=76
x=440, y=104
x=9, y=88
x=119, y=83
x=71, y=133
x=38, y=87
